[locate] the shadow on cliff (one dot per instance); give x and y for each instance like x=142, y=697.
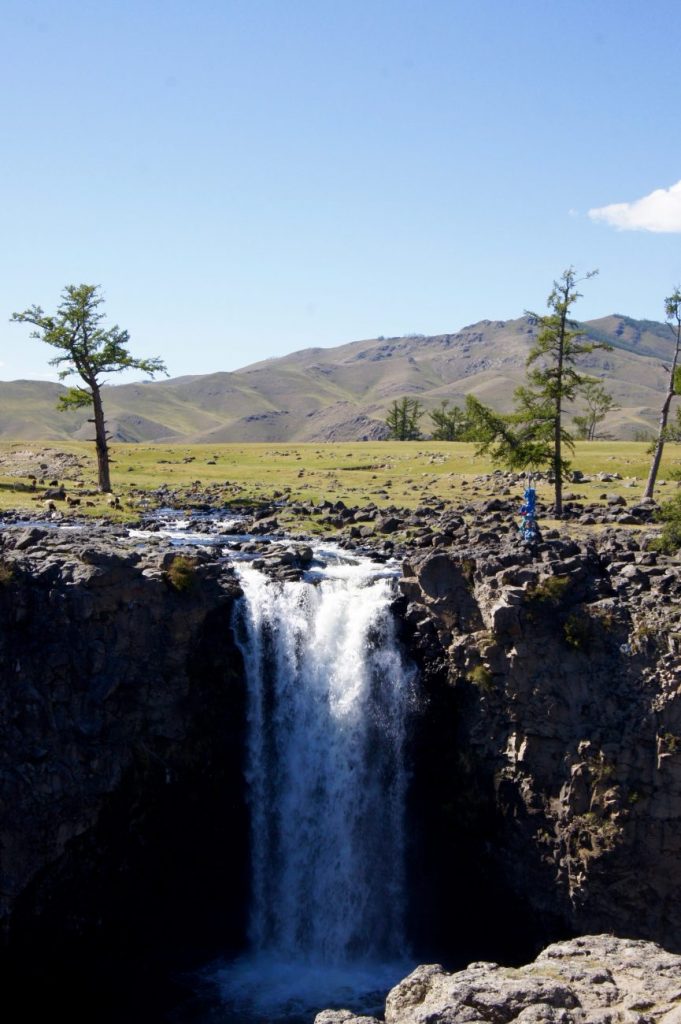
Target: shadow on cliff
x=160, y=884
x=461, y=907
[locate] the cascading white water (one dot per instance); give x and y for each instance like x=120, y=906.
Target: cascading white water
x=328, y=696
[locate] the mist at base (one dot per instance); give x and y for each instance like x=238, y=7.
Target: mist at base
x=262, y=988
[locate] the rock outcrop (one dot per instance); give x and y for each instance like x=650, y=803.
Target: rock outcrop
x=563, y=664
x=592, y=980
x=120, y=733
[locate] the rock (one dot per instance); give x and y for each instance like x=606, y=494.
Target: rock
x=388, y=524
x=444, y=583
x=305, y=554
x=342, y=1017
x=598, y=979
x=562, y=643
x=109, y=674
x=571, y=726
x=23, y=539
x=262, y=513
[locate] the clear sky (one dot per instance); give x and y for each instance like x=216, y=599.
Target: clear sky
x=249, y=177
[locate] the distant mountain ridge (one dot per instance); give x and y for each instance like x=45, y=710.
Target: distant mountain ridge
x=343, y=393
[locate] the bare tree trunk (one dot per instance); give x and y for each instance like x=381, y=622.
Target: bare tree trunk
x=557, y=433
x=664, y=416
x=100, y=442
x=659, y=446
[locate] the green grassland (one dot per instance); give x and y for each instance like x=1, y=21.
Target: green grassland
x=383, y=472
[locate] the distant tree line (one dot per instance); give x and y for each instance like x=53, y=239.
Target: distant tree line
x=448, y=423
x=452, y=423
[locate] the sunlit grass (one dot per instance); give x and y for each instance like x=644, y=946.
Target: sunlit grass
x=386, y=473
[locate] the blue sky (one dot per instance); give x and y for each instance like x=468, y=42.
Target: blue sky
x=248, y=177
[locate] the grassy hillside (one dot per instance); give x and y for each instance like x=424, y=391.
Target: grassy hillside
x=343, y=393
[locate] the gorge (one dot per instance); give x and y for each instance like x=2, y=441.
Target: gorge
x=539, y=765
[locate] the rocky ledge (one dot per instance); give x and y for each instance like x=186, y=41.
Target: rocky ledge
x=596, y=979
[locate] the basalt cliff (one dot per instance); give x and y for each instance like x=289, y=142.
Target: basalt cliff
x=123, y=821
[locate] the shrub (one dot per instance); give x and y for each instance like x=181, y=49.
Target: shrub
x=669, y=540
x=181, y=573
x=593, y=835
x=604, y=617
x=577, y=631
x=481, y=677
x=549, y=591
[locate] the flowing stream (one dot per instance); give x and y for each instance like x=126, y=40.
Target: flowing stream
x=328, y=701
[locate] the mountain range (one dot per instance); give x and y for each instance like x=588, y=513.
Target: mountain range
x=343, y=393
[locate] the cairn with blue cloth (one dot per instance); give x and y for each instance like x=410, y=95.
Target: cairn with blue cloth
x=528, y=530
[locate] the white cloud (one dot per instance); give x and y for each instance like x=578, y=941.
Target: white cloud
x=660, y=211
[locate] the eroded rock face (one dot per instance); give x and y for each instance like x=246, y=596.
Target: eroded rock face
x=120, y=711
x=564, y=726
x=592, y=980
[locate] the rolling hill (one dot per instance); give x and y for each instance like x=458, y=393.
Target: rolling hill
x=343, y=393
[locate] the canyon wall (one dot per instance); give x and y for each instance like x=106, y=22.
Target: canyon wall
x=124, y=828
x=555, y=705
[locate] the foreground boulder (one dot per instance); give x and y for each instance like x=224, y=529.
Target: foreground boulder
x=597, y=979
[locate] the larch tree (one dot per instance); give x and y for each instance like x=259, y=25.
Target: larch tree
x=672, y=308
x=403, y=419
x=448, y=424
x=553, y=378
x=599, y=403
x=91, y=351
x=533, y=436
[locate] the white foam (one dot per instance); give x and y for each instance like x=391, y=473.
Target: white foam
x=328, y=698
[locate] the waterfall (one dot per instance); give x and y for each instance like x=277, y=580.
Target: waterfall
x=328, y=699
